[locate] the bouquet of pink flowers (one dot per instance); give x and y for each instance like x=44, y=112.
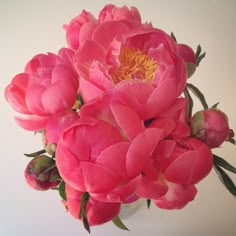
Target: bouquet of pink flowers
x=114, y=109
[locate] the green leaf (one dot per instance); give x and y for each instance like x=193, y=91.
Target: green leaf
x=148, y=203
x=218, y=161
x=62, y=191
x=173, y=36
x=226, y=180
x=190, y=102
x=35, y=154
x=117, y=221
x=198, y=94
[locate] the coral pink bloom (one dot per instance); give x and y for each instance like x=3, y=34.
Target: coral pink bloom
x=177, y=196
x=97, y=212
x=80, y=29
x=112, y=13
x=186, y=161
x=49, y=85
x=85, y=149
x=130, y=53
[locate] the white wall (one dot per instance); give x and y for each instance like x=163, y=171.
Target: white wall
x=31, y=27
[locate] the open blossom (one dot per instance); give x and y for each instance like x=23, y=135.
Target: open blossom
x=48, y=85
x=85, y=149
x=97, y=212
x=129, y=50
x=211, y=126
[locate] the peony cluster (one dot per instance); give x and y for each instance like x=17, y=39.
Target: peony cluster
x=112, y=113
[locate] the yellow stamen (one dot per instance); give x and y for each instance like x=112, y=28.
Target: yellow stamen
x=134, y=64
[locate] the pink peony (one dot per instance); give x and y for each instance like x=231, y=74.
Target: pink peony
x=48, y=85
x=97, y=212
x=186, y=161
x=85, y=149
x=129, y=50
x=41, y=173
x=211, y=126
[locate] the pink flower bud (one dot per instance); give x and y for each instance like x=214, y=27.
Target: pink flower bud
x=41, y=173
x=211, y=126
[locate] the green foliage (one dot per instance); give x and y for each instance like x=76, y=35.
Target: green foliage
x=219, y=165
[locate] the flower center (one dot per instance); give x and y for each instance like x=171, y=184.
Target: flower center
x=134, y=64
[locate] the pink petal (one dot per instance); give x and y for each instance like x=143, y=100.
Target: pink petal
x=33, y=99
x=191, y=166
x=89, y=91
x=151, y=189
x=105, y=33
x=58, y=97
x=122, y=193
x=128, y=120
x=86, y=31
x=62, y=72
x=15, y=93
x=97, y=178
x=141, y=149
x=32, y=122
x=177, y=196
x=68, y=168
x=159, y=97
x=89, y=52
x=118, y=161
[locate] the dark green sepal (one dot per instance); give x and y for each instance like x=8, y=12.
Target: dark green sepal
x=82, y=213
x=62, y=191
x=148, y=203
x=117, y=221
x=35, y=154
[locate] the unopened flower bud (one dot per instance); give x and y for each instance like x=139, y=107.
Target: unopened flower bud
x=211, y=126
x=189, y=58
x=41, y=173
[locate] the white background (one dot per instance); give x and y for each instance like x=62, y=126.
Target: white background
x=31, y=27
